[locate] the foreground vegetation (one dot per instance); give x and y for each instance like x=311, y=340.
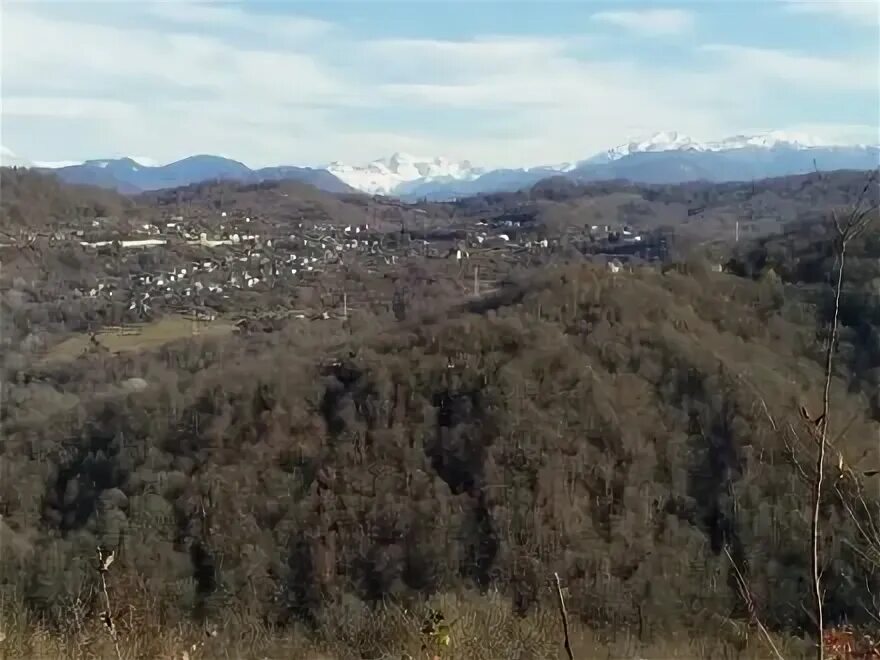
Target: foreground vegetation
x=483, y=627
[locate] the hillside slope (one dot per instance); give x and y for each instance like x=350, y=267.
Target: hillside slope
x=31, y=200
x=621, y=430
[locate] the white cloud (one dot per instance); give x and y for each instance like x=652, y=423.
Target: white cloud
x=205, y=15
x=60, y=107
x=175, y=79
x=860, y=12
x=498, y=53
x=821, y=73
x=115, y=58
x=649, y=22
x=832, y=133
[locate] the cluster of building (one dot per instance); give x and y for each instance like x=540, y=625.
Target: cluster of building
x=211, y=259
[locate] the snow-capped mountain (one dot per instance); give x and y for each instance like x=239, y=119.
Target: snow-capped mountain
x=666, y=157
x=671, y=157
x=388, y=176
x=770, y=140
x=739, y=158
x=648, y=158
x=674, y=141
x=665, y=141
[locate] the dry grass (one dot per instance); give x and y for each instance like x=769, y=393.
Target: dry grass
x=482, y=627
x=139, y=337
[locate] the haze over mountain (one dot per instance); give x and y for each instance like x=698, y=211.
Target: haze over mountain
x=667, y=157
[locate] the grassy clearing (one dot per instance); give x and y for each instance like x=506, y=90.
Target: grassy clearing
x=138, y=337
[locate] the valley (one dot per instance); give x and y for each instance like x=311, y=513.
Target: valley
x=321, y=416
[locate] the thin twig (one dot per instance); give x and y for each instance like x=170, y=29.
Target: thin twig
x=793, y=456
x=564, y=615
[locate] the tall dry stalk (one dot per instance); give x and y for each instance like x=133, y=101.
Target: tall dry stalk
x=746, y=595
x=104, y=562
x=857, y=221
x=564, y=614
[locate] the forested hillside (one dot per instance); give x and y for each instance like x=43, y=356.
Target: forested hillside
x=803, y=258
x=33, y=201
x=622, y=430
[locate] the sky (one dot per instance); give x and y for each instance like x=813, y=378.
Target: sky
x=498, y=83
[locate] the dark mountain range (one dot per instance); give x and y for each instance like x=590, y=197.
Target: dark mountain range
x=128, y=176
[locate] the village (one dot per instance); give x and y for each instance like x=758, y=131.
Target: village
x=182, y=269
x=205, y=266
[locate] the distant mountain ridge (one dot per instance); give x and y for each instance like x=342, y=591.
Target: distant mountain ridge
x=127, y=175
x=674, y=141
x=667, y=157
x=673, y=158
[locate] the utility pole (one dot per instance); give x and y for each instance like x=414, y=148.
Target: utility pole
x=737, y=231
x=344, y=305
x=476, y=280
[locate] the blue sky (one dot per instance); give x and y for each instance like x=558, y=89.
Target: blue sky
x=498, y=83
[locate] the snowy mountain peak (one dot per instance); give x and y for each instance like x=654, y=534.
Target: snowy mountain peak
x=663, y=141
x=674, y=141
x=388, y=175
x=768, y=140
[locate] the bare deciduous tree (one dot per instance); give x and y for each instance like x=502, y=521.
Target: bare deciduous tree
x=846, y=230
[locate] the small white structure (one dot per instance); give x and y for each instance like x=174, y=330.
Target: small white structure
x=134, y=384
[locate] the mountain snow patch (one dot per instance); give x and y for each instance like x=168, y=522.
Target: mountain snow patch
x=674, y=141
x=385, y=175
